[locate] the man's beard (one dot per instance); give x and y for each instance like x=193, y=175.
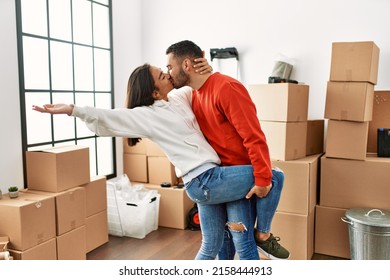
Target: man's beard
x=181, y=80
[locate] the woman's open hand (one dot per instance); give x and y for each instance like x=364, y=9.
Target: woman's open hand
x=54, y=109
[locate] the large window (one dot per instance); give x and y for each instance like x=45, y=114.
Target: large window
x=65, y=56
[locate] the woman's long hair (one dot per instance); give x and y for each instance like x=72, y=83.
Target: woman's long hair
x=140, y=89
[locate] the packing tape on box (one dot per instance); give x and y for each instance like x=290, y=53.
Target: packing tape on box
x=4, y=255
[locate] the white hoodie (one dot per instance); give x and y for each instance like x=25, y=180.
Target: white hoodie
x=172, y=125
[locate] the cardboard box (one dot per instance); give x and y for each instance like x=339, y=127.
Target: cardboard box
x=27, y=220
x=4, y=240
x=135, y=167
x=286, y=140
x=70, y=208
x=301, y=181
x=152, y=149
x=160, y=169
x=71, y=245
x=349, y=101
x=285, y=102
x=331, y=233
x=296, y=233
x=380, y=118
x=139, y=148
x=96, y=195
x=44, y=251
x=315, y=137
x=354, y=183
x=354, y=62
x=174, y=206
x=96, y=230
x=57, y=169
x=347, y=140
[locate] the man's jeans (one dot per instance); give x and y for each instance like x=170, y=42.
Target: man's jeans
x=220, y=195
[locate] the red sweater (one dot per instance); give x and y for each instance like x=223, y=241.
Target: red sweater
x=228, y=119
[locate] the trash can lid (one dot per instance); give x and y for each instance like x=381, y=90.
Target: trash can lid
x=369, y=216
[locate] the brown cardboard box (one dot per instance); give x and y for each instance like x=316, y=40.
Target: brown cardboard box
x=70, y=208
x=139, y=148
x=354, y=62
x=174, y=206
x=57, y=169
x=71, y=245
x=349, y=101
x=296, y=233
x=284, y=102
x=4, y=240
x=95, y=195
x=380, y=119
x=301, y=180
x=96, y=230
x=44, y=251
x=28, y=220
x=315, y=137
x=331, y=233
x=152, y=149
x=346, y=139
x=135, y=167
x=286, y=140
x=161, y=170
x=354, y=183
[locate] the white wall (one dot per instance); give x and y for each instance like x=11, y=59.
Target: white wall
x=259, y=29
x=11, y=157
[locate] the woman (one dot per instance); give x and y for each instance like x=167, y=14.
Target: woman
x=164, y=115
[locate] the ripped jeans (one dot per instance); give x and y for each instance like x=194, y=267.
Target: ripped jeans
x=220, y=195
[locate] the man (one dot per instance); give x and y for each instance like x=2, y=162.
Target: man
x=228, y=119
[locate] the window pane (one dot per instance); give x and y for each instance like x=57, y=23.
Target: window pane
x=105, y=155
x=60, y=23
x=103, y=100
x=63, y=124
x=101, y=26
x=40, y=148
x=38, y=124
x=84, y=99
x=34, y=15
x=105, y=2
x=83, y=68
x=102, y=70
x=61, y=66
x=36, y=65
x=92, y=153
x=82, y=22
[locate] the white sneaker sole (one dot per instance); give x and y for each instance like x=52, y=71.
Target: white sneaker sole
x=269, y=256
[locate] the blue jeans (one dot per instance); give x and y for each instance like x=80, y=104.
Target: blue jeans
x=220, y=195
x=265, y=209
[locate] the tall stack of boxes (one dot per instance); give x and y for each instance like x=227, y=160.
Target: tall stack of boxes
x=350, y=177
x=147, y=164
x=62, y=214
x=296, y=145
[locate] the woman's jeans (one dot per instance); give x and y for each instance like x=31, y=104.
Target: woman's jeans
x=265, y=209
x=220, y=195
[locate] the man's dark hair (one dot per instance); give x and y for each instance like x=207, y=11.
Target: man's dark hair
x=185, y=49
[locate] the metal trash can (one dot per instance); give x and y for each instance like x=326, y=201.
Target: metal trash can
x=369, y=233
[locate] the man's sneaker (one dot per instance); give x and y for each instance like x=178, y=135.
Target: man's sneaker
x=271, y=249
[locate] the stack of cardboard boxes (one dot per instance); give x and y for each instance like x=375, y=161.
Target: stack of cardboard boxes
x=350, y=177
x=147, y=164
x=62, y=215
x=295, y=145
